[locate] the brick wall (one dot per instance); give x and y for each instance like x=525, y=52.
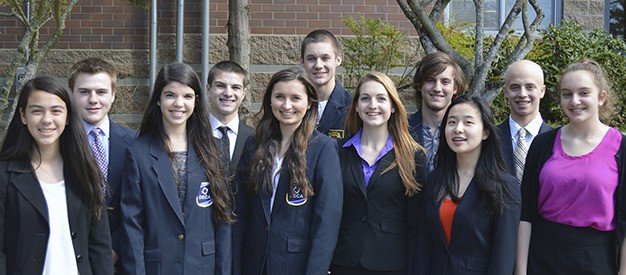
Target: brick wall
x=116, y=24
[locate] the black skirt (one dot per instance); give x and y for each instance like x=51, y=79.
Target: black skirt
x=562, y=249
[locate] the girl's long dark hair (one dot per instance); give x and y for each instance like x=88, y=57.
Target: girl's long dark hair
x=75, y=152
x=198, y=134
x=268, y=137
x=490, y=164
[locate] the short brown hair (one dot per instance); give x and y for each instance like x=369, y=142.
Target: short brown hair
x=92, y=65
x=317, y=36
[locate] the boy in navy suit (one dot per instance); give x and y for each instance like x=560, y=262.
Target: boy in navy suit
x=227, y=86
x=524, y=88
x=93, y=85
x=320, y=55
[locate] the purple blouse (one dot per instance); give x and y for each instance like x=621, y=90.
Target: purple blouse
x=368, y=170
x=579, y=190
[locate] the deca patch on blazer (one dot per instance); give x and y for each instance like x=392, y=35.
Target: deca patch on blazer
x=295, y=197
x=203, y=199
x=336, y=133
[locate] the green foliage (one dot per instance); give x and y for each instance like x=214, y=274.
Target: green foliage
x=568, y=43
x=460, y=37
x=557, y=47
x=376, y=46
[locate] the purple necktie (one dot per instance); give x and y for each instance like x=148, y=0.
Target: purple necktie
x=98, y=151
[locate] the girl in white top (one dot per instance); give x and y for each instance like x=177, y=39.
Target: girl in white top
x=51, y=189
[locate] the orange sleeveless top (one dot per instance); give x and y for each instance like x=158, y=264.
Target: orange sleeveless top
x=446, y=215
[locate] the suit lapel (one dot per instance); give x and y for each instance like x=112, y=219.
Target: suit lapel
x=73, y=198
x=383, y=163
x=265, y=203
x=465, y=205
x=165, y=176
x=195, y=176
x=357, y=171
x=27, y=184
x=415, y=125
x=242, y=134
x=329, y=117
x=507, y=145
x=117, y=147
x=435, y=216
x=281, y=191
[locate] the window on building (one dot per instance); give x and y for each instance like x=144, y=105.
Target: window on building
x=463, y=11
x=616, y=17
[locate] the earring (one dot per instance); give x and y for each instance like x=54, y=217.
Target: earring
x=158, y=103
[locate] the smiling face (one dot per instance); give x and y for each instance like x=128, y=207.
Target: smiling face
x=226, y=94
x=289, y=103
x=320, y=61
x=437, y=91
x=94, y=95
x=524, y=88
x=45, y=116
x=177, y=103
x=464, y=130
x=580, y=97
x=374, y=105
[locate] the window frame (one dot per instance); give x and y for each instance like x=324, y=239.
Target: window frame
x=555, y=16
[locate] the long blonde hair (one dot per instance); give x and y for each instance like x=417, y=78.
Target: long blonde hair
x=404, y=146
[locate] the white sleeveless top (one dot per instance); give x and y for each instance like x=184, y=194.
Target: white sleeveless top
x=60, y=258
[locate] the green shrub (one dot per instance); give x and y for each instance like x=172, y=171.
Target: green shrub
x=567, y=43
x=376, y=46
x=557, y=47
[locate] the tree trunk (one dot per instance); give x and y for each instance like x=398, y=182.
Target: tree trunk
x=56, y=11
x=239, y=46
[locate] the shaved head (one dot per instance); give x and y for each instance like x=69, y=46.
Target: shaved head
x=524, y=88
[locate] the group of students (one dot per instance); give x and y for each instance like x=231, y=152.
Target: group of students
x=197, y=191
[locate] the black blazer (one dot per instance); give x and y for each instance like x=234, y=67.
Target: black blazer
x=159, y=236
x=334, y=117
x=378, y=221
x=480, y=243
x=508, y=152
x=120, y=140
x=25, y=229
x=243, y=133
x=290, y=239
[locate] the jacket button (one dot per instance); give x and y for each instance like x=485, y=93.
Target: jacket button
x=79, y=258
x=73, y=235
x=180, y=237
x=364, y=218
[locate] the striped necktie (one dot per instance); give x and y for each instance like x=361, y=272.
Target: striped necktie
x=521, y=149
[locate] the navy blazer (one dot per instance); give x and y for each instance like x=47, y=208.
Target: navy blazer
x=415, y=127
x=291, y=239
x=508, y=152
x=480, y=243
x=334, y=117
x=379, y=221
x=25, y=230
x=159, y=236
x=243, y=133
x=120, y=140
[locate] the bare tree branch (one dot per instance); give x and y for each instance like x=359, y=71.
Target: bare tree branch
x=476, y=71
